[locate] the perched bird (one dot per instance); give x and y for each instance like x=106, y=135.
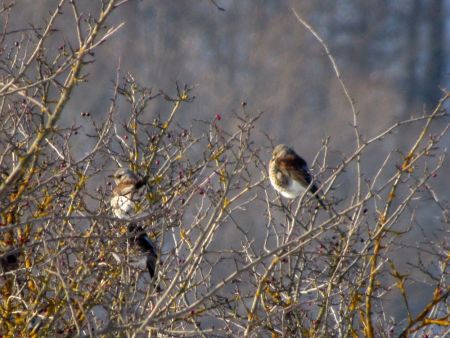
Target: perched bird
x=289, y=174
x=123, y=204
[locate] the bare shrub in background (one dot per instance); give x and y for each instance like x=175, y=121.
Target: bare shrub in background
x=235, y=258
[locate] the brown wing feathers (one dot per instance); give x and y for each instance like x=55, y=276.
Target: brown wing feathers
x=295, y=168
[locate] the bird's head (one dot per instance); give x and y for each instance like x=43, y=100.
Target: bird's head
x=123, y=174
x=280, y=150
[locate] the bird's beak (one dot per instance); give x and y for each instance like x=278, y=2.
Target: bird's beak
x=111, y=176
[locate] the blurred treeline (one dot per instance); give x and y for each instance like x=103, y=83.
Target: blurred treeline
x=392, y=54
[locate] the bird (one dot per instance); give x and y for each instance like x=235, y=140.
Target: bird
x=123, y=204
x=289, y=174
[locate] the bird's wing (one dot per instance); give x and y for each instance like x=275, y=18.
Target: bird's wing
x=296, y=168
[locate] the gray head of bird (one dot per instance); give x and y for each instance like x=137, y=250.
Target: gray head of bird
x=281, y=150
x=122, y=174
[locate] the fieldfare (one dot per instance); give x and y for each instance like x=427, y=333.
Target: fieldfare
x=123, y=204
x=289, y=174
